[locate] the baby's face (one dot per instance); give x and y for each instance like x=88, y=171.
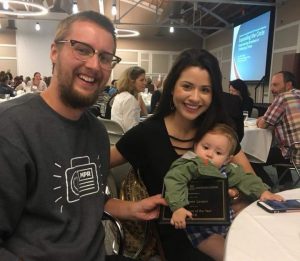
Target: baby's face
x=215, y=148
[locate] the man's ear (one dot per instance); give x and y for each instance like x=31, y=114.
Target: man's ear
x=53, y=53
x=289, y=86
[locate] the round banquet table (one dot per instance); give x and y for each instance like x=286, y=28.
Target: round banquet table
x=256, y=235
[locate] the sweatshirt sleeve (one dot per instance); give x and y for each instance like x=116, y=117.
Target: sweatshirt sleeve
x=12, y=194
x=248, y=183
x=176, y=183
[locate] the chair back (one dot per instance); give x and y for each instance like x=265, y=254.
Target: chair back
x=114, y=130
x=114, y=235
x=294, y=151
x=254, y=113
x=294, y=155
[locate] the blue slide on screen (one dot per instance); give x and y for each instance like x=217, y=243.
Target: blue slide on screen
x=249, y=49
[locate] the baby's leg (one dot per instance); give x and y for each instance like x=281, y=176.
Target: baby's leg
x=213, y=246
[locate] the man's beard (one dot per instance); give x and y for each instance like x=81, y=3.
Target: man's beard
x=72, y=98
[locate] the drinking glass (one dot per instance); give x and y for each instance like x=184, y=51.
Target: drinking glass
x=245, y=115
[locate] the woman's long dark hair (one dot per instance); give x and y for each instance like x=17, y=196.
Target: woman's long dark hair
x=204, y=60
x=242, y=87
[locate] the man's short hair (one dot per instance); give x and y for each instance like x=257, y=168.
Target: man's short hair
x=64, y=26
x=289, y=77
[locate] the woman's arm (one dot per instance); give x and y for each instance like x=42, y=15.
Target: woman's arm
x=241, y=159
x=116, y=157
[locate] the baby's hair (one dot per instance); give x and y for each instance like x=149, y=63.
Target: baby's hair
x=228, y=132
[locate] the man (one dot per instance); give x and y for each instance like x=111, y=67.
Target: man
x=282, y=116
x=282, y=82
x=54, y=154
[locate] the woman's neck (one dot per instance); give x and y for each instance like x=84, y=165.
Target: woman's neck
x=180, y=128
x=181, y=133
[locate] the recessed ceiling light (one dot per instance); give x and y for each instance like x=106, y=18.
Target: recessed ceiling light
x=126, y=33
x=41, y=10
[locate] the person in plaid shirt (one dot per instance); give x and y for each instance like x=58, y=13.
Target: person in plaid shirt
x=283, y=116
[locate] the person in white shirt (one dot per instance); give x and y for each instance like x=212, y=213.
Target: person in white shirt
x=37, y=84
x=128, y=104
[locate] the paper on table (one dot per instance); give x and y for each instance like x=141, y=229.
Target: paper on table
x=250, y=122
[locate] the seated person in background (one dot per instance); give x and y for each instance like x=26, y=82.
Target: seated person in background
x=113, y=88
x=128, y=104
x=10, y=77
x=37, y=84
x=100, y=107
x=155, y=98
x=149, y=85
x=27, y=80
x=47, y=80
x=211, y=157
x=282, y=116
x=239, y=87
x=18, y=83
x=4, y=87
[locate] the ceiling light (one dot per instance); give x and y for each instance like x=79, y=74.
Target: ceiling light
x=126, y=33
x=75, y=7
x=36, y=8
x=113, y=8
x=171, y=29
x=37, y=26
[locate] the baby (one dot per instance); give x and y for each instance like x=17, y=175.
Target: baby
x=211, y=157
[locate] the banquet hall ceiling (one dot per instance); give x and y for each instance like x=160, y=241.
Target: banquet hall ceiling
x=154, y=17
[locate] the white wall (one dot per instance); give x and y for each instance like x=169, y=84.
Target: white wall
x=33, y=48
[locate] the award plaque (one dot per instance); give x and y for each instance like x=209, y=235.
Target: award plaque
x=208, y=202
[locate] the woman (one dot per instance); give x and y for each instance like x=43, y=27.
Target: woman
x=128, y=104
x=37, y=84
x=239, y=87
x=190, y=106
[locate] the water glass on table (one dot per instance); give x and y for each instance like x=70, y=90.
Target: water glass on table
x=245, y=115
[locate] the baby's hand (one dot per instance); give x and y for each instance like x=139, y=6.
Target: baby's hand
x=179, y=216
x=267, y=195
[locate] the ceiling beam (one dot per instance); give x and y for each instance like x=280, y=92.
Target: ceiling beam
x=214, y=15
x=232, y=2
x=175, y=26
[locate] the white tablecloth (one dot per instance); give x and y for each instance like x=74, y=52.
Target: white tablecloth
x=11, y=98
x=256, y=235
x=256, y=143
